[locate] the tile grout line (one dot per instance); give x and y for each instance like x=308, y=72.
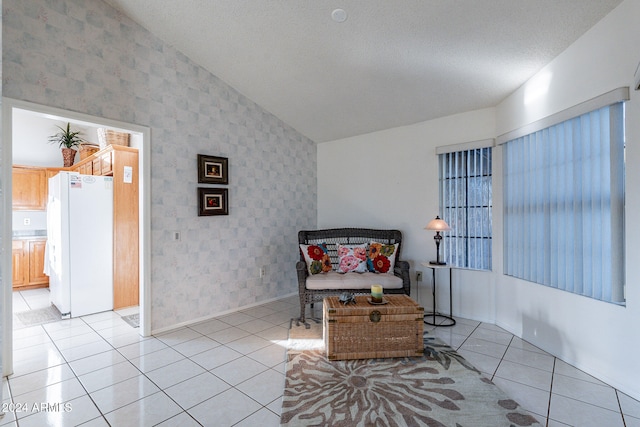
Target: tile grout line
x=553, y=374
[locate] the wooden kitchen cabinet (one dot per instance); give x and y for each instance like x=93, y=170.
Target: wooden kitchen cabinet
x=36, y=262
x=28, y=263
x=106, y=163
x=30, y=188
x=126, y=246
x=18, y=263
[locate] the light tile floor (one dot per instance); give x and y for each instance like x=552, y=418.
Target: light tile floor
x=97, y=371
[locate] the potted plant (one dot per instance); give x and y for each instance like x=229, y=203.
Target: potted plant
x=67, y=141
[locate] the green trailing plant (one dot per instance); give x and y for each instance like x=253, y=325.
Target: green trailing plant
x=65, y=138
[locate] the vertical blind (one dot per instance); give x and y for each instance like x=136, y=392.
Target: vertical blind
x=564, y=205
x=465, y=203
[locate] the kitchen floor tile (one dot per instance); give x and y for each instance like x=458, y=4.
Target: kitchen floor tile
x=228, y=335
x=179, y=336
x=108, y=376
x=262, y=418
x=72, y=413
x=524, y=375
x=532, y=359
x=195, y=346
x=181, y=420
x=236, y=319
x=157, y=359
x=143, y=347
x=123, y=393
x=629, y=405
x=90, y=349
x=530, y=398
x=238, y=370
x=60, y=392
x=264, y=387
x=497, y=336
x=224, y=409
x=36, y=380
x=563, y=368
x=215, y=357
x=248, y=344
x=484, y=347
x=485, y=364
x=174, y=373
x=209, y=326
x=96, y=362
x=585, y=391
x=576, y=413
x=196, y=390
x=148, y=411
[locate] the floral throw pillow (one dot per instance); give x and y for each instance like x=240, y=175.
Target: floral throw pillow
x=352, y=258
x=382, y=257
x=316, y=257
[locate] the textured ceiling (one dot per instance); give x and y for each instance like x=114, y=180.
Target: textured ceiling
x=391, y=63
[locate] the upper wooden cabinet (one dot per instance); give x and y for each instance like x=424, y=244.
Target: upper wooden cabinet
x=29, y=188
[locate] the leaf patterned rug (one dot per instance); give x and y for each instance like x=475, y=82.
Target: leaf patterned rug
x=438, y=389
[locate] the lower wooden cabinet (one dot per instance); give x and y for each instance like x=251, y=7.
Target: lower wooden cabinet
x=19, y=263
x=28, y=264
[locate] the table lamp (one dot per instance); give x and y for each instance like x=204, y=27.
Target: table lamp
x=437, y=225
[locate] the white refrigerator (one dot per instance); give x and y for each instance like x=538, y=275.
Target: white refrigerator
x=79, y=254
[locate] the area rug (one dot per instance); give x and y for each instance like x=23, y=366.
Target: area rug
x=438, y=389
x=39, y=316
x=133, y=320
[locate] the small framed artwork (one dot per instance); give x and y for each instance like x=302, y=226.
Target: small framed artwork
x=213, y=201
x=213, y=170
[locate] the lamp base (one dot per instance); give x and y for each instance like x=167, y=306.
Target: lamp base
x=437, y=263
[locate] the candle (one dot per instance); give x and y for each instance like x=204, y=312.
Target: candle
x=376, y=293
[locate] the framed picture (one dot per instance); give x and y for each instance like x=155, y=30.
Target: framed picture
x=213, y=170
x=213, y=201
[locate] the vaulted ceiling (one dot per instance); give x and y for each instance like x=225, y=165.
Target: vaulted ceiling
x=389, y=63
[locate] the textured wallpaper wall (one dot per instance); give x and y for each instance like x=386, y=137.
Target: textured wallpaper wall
x=82, y=55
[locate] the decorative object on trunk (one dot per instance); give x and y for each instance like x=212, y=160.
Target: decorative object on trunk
x=67, y=141
x=347, y=298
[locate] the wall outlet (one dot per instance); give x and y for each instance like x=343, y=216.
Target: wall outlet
x=262, y=272
x=26, y=221
x=176, y=236
x=418, y=276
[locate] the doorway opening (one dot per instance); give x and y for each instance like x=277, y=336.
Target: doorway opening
x=26, y=120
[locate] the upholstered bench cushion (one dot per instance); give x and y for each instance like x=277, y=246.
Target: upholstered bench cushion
x=335, y=280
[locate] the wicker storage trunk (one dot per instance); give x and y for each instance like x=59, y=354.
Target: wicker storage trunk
x=364, y=330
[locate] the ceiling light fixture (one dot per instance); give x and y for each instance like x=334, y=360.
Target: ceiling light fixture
x=339, y=15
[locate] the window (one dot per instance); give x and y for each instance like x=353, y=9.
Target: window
x=465, y=203
x=564, y=205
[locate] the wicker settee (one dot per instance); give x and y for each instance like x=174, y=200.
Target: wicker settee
x=314, y=287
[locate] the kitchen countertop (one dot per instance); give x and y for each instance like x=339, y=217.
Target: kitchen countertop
x=29, y=234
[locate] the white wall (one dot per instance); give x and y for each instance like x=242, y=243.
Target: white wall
x=600, y=338
x=388, y=179
x=31, y=134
